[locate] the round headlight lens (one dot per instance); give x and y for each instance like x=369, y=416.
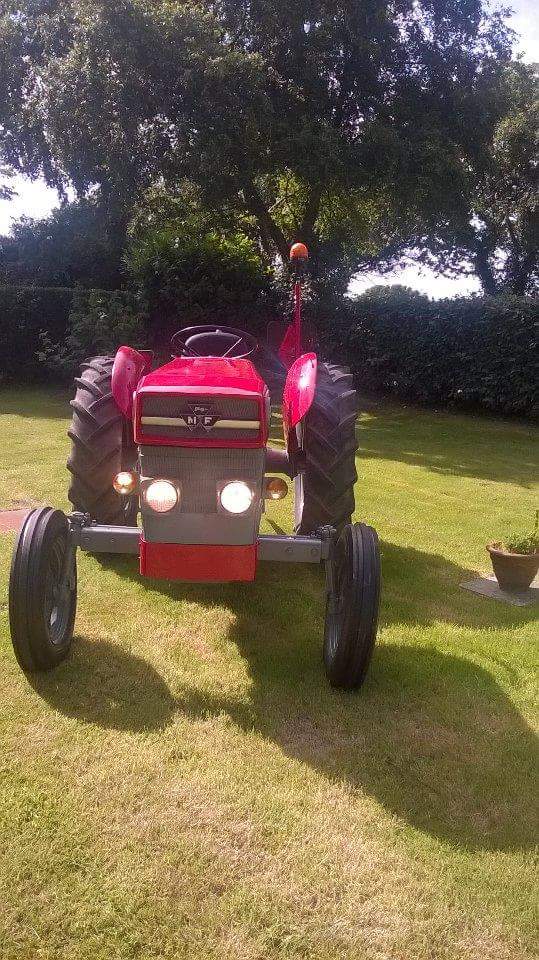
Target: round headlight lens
x=161, y=496
x=236, y=497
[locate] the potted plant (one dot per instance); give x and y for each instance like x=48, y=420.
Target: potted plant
x=516, y=562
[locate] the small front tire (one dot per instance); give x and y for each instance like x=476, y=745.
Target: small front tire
x=42, y=591
x=352, y=606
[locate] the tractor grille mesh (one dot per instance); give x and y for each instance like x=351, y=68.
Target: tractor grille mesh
x=199, y=470
x=220, y=408
x=177, y=405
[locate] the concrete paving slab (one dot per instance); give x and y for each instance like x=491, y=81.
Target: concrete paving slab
x=488, y=587
x=11, y=519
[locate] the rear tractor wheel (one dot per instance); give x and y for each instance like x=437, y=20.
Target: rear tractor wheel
x=101, y=446
x=324, y=487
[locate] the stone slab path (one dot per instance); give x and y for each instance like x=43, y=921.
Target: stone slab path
x=11, y=519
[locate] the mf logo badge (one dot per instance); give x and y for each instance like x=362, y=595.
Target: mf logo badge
x=200, y=418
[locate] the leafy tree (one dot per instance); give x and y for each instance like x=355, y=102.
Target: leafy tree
x=74, y=245
x=191, y=264
x=343, y=123
x=493, y=230
x=6, y=190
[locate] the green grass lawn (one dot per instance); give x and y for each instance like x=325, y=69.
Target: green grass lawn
x=188, y=786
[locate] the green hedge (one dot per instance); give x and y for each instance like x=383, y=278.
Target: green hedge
x=468, y=353
x=100, y=321
x=46, y=332
x=25, y=312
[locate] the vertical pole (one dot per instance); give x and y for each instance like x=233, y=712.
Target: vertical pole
x=298, y=259
x=297, y=318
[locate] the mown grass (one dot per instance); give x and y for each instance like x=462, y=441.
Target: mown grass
x=187, y=785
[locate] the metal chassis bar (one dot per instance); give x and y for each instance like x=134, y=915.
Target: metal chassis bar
x=100, y=538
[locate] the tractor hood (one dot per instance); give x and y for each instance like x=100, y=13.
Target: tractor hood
x=202, y=401
x=203, y=374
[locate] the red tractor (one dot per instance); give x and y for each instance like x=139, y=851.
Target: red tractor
x=185, y=447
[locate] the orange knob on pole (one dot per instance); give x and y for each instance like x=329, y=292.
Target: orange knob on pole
x=298, y=251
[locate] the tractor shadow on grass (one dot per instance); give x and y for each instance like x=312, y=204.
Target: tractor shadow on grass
x=102, y=683
x=431, y=736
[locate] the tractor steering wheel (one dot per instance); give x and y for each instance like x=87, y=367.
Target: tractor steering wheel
x=210, y=340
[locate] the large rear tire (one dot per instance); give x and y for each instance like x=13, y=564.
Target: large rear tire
x=101, y=446
x=42, y=591
x=324, y=488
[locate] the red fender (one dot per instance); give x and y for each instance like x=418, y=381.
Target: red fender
x=299, y=390
x=129, y=366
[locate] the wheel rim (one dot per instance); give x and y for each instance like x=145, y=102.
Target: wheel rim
x=58, y=594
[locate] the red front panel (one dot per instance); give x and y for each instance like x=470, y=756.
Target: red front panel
x=197, y=563
x=129, y=366
x=299, y=390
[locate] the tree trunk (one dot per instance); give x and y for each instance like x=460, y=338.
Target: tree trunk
x=267, y=225
x=518, y=281
x=483, y=270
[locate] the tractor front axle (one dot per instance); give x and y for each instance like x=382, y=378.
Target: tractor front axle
x=103, y=538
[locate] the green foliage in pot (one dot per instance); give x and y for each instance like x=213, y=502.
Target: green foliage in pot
x=524, y=545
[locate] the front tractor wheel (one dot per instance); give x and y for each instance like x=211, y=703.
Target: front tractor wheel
x=101, y=446
x=352, y=606
x=324, y=487
x=42, y=591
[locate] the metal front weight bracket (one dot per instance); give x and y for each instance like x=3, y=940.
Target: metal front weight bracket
x=329, y=540
x=67, y=578
x=101, y=538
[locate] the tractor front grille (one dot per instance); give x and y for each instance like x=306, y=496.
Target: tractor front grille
x=181, y=417
x=198, y=470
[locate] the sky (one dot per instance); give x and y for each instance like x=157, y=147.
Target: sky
x=35, y=199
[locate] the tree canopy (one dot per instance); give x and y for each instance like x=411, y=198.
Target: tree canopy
x=351, y=124
x=72, y=246
x=493, y=228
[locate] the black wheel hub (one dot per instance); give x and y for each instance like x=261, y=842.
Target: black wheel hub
x=58, y=590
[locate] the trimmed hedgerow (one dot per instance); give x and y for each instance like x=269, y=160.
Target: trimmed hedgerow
x=473, y=352
x=46, y=332
x=26, y=312
x=100, y=321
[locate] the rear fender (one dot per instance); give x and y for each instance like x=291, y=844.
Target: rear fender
x=299, y=390
x=129, y=366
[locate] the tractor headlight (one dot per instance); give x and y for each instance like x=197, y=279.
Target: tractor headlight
x=236, y=496
x=161, y=496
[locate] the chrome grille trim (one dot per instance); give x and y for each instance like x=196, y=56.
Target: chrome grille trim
x=218, y=425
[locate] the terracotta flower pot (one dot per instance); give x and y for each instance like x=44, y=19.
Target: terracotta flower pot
x=514, y=571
